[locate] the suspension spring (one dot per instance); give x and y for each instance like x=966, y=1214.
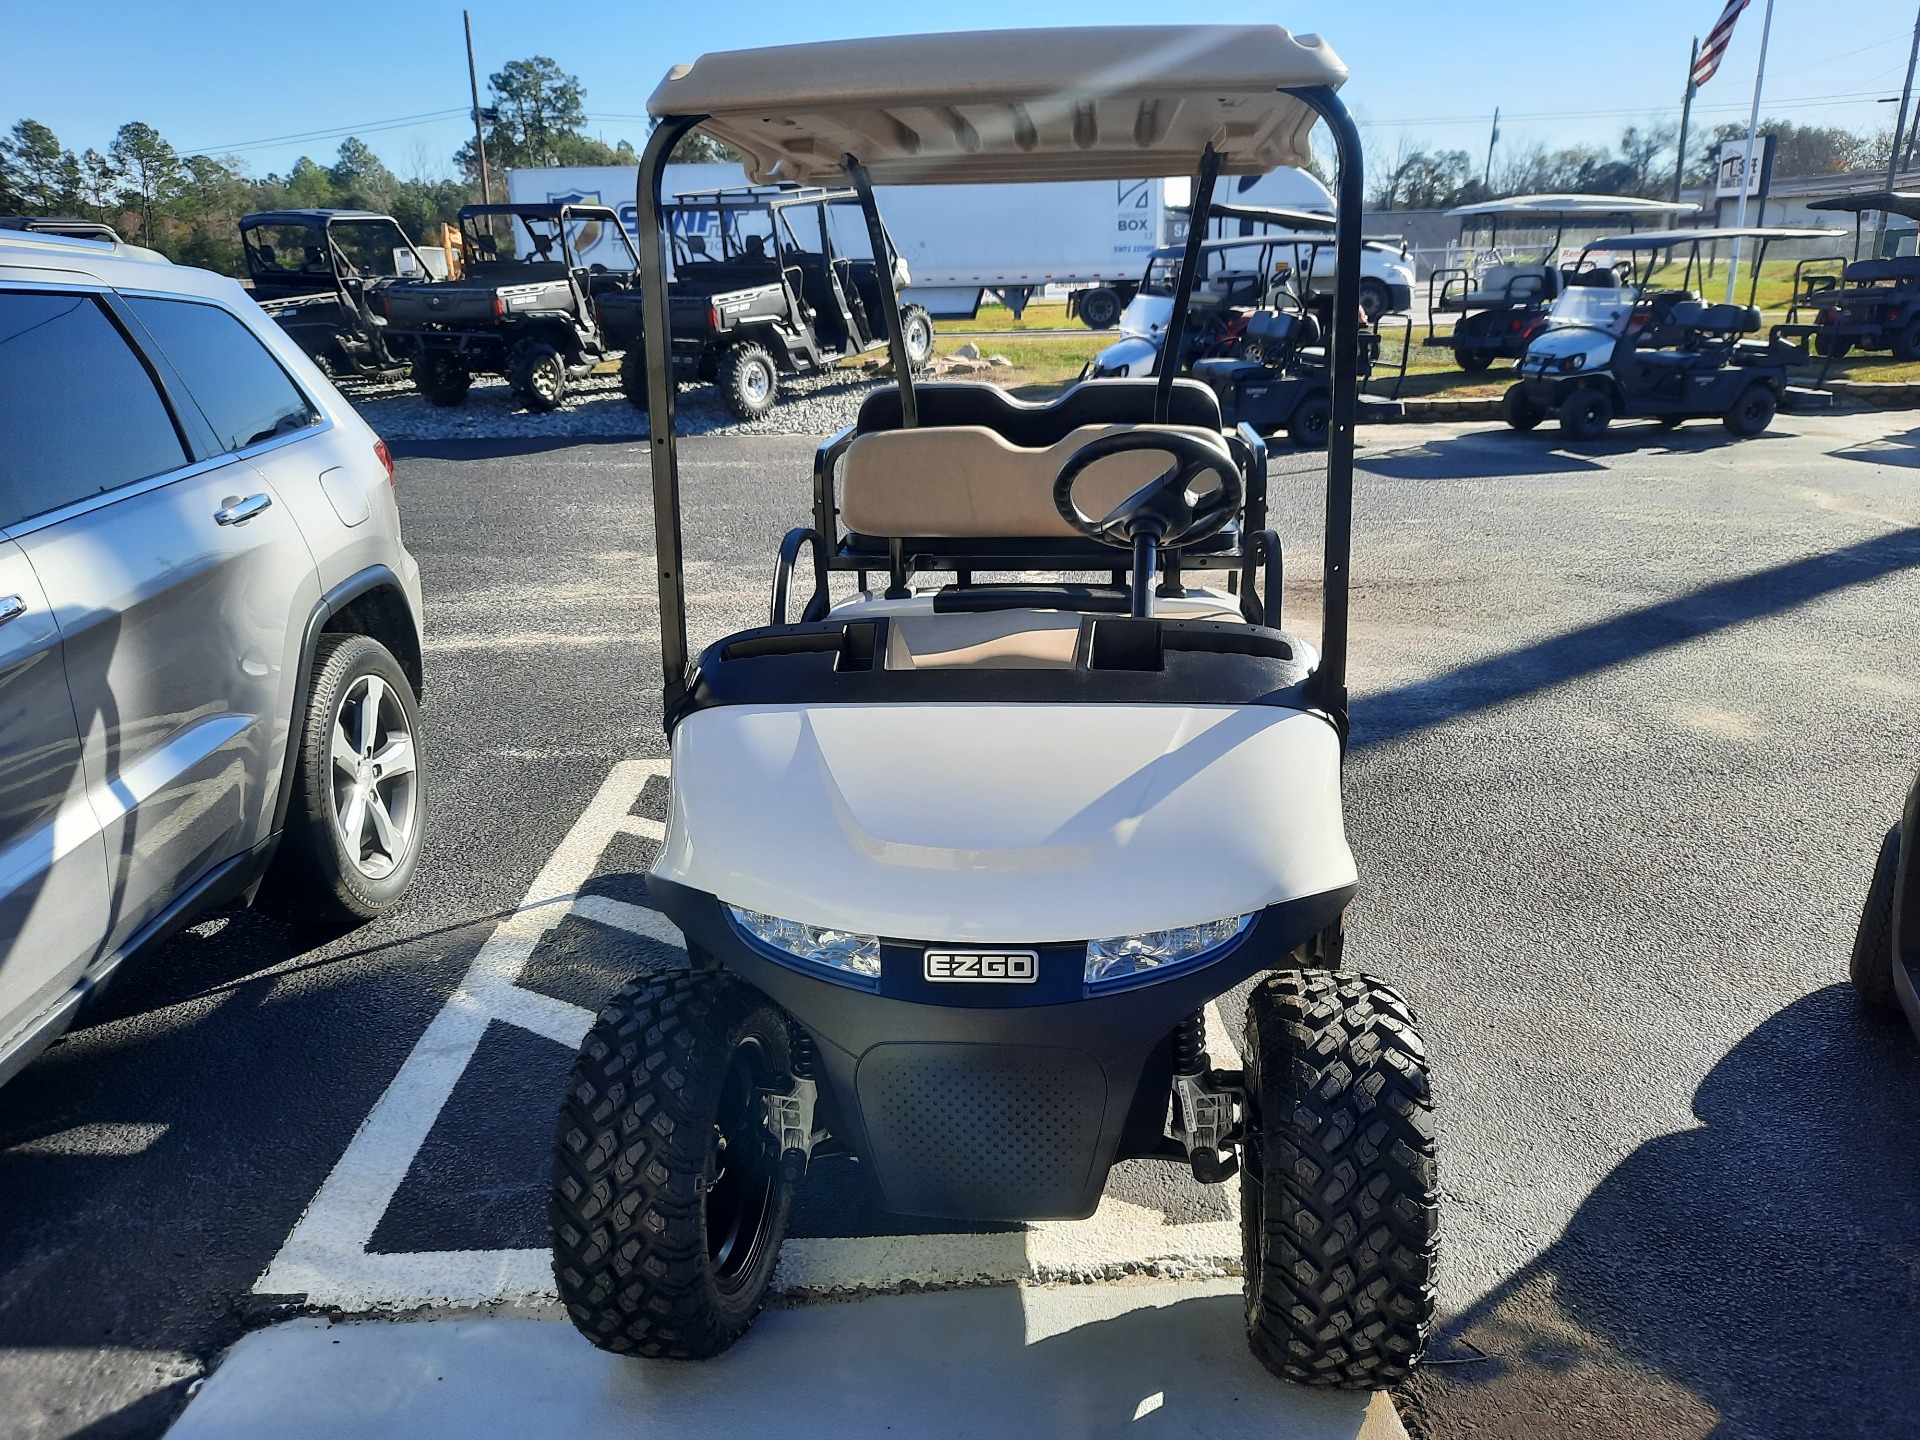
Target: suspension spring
x=1190, y=1045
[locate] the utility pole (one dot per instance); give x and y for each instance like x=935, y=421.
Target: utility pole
x=479, y=133
x=1686, y=114
x=1899, y=127
x=1486, y=180
x=1746, y=167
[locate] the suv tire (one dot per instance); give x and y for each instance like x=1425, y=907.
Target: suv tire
x=1870, y=967
x=538, y=374
x=1375, y=299
x=441, y=377
x=345, y=857
x=916, y=329
x=748, y=381
x=1339, y=1203
x=633, y=377
x=670, y=1196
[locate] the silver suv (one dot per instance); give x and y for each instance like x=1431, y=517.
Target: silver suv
x=209, y=628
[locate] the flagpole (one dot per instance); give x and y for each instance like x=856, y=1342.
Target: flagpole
x=1486, y=180
x=1746, y=168
x=1686, y=114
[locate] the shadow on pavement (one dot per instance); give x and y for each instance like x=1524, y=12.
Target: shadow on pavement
x=1902, y=449
x=1558, y=659
x=496, y=448
x=1756, y=1277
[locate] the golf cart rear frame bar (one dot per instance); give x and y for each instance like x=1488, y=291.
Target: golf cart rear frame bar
x=1329, y=680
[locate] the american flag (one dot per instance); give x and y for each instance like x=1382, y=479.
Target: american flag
x=1709, y=62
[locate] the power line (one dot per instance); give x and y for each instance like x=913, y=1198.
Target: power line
x=1802, y=103
x=367, y=127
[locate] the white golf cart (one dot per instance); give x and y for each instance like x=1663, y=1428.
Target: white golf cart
x=1618, y=349
x=960, y=862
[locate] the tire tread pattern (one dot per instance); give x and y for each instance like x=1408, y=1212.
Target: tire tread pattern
x=629, y=1159
x=1339, y=1196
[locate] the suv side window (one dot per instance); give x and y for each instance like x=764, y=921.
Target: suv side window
x=239, y=386
x=79, y=413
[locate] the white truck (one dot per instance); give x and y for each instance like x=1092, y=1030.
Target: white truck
x=963, y=243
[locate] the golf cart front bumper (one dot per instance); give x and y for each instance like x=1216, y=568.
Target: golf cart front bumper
x=993, y=1101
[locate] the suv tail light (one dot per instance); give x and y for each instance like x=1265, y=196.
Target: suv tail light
x=385, y=457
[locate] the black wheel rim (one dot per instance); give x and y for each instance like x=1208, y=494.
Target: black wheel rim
x=744, y=1170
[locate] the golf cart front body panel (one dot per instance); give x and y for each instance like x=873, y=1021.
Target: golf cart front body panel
x=970, y=1101
x=1005, y=823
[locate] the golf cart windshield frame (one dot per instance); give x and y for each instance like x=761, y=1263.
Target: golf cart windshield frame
x=557, y=215
x=1658, y=244
x=771, y=200
x=321, y=223
x=1327, y=685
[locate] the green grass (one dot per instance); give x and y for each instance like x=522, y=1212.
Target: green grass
x=1043, y=361
x=1041, y=315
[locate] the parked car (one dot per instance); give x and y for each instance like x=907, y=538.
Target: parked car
x=320, y=275
x=209, y=628
x=1885, y=965
x=527, y=305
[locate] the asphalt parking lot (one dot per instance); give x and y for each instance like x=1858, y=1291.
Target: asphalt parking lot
x=1629, y=722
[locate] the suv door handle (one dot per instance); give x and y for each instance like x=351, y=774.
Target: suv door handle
x=238, y=512
x=12, y=607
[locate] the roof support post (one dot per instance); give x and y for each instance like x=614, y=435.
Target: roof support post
x=656, y=332
x=883, y=263
x=1174, y=340
x=1343, y=359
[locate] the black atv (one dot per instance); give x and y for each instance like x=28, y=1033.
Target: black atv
x=529, y=303
x=767, y=280
x=320, y=275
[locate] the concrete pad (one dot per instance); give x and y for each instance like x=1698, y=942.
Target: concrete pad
x=1148, y=1359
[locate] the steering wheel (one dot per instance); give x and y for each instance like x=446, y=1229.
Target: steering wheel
x=1164, y=510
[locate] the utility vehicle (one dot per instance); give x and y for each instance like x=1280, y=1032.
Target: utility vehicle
x=1872, y=304
x=1623, y=348
x=526, y=306
x=321, y=273
x=768, y=280
x=1885, y=966
x=1502, y=299
x=959, y=864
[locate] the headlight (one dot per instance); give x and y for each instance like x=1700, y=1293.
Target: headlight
x=1571, y=363
x=856, y=955
x=1124, y=957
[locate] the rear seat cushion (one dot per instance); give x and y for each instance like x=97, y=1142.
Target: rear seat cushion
x=1041, y=423
x=966, y=481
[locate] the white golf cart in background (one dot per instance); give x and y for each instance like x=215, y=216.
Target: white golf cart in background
x=960, y=859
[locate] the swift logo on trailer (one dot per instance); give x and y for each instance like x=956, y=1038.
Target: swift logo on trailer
x=996, y=967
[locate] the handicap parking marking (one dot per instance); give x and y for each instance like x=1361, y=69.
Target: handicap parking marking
x=334, y=1256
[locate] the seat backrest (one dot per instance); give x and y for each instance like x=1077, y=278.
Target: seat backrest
x=1716, y=319
x=967, y=481
x=1041, y=423
x=1272, y=325
x=1892, y=269
x=1519, y=281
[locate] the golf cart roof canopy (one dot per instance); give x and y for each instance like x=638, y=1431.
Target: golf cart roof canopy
x=1666, y=239
x=1092, y=103
x=1893, y=202
x=1555, y=207
x=759, y=197
x=1273, y=215
x=316, y=218
x=550, y=211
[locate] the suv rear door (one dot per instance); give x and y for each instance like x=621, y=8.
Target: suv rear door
x=181, y=600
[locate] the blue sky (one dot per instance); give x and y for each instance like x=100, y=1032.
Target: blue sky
x=234, y=77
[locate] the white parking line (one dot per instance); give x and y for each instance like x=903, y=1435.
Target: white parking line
x=326, y=1256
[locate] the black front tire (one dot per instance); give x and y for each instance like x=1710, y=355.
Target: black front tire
x=1311, y=420
x=1752, y=412
x=442, y=378
x=749, y=383
x=655, y=1251
x=1100, y=309
x=1870, y=968
x=916, y=329
x=1831, y=347
x=1518, y=410
x=633, y=377
x=1338, y=1198
x=1473, y=360
x=1906, y=343
x=313, y=880
x=1586, y=414
x=537, y=372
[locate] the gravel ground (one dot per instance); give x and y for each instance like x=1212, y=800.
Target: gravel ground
x=809, y=405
